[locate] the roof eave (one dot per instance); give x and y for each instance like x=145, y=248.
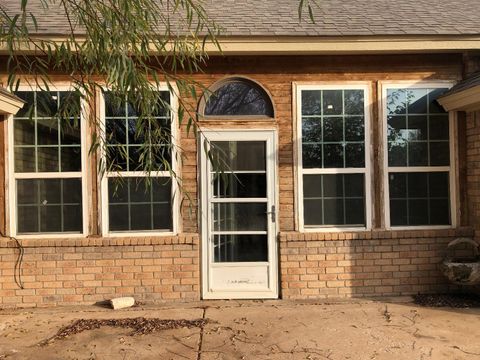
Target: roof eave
x=344, y=45
x=326, y=45
x=9, y=103
x=464, y=100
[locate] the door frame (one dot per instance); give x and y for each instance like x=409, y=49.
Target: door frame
x=270, y=137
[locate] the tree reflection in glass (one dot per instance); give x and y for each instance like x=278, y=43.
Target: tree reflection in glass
x=241, y=98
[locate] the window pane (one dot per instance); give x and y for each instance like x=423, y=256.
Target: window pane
x=47, y=131
x=116, y=158
x=415, y=125
x=313, y=212
x=28, y=108
x=312, y=156
x=47, y=158
x=72, y=217
x=49, y=205
x=417, y=128
x=417, y=101
x=334, y=212
x=51, y=218
x=141, y=217
x=71, y=158
x=312, y=129
x=419, y=198
x=239, y=97
x=162, y=216
x=24, y=132
x=333, y=155
x=27, y=218
x=354, y=128
x=438, y=127
x=334, y=200
x=312, y=102
x=332, y=102
x=24, y=159
x=115, y=131
x=136, y=204
x=240, y=248
x=70, y=132
x=239, y=217
x=439, y=153
x=418, y=154
x=40, y=139
x=354, y=102
x=127, y=134
x=118, y=217
x=354, y=211
x=396, y=101
x=333, y=128
x=354, y=156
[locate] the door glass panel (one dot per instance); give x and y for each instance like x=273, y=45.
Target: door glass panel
x=237, y=248
x=238, y=155
x=242, y=174
x=240, y=217
x=240, y=185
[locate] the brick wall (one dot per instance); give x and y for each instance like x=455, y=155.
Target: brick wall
x=377, y=263
x=312, y=265
x=473, y=167
x=85, y=271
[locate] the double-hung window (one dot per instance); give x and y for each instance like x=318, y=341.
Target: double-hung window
x=418, y=156
x=333, y=156
x=135, y=201
x=46, y=161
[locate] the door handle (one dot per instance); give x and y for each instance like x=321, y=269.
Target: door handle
x=272, y=213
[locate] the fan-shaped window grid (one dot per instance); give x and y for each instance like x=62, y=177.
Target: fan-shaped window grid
x=418, y=133
x=47, y=163
x=238, y=98
x=139, y=198
x=333, y=157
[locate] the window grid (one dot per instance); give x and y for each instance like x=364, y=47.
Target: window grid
x=407, y=117
x=410, y=169
x=334, y=170
x=132, y=174
x=35, y=118
x=37, y=175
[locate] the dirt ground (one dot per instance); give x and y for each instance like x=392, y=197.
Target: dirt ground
x=252, y=330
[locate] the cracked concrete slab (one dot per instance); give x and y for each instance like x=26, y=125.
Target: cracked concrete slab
x=253, y=330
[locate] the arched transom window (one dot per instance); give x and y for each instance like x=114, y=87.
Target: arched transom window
x=236, y=98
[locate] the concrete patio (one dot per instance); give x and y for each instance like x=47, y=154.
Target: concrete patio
x=352, y=329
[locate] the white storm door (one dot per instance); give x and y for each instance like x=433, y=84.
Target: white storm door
x=239, y=215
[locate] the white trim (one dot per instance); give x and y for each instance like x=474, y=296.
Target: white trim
x=298, y=87
x=103, y=198
x=11, y=176
x=270, y=137
x=138, y=174
x=382, y=104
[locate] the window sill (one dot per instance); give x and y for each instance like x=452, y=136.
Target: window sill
x=82, y=241
x=334, y=229
x=377, y=234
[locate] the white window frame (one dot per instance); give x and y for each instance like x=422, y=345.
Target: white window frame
x=384, y=86
x=297, y=103
x=104, y=204
x=11, y=176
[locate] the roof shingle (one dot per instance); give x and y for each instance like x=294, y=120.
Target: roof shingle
x=332, y=17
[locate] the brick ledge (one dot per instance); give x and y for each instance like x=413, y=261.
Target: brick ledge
x=292, y=236
x=181, y=239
